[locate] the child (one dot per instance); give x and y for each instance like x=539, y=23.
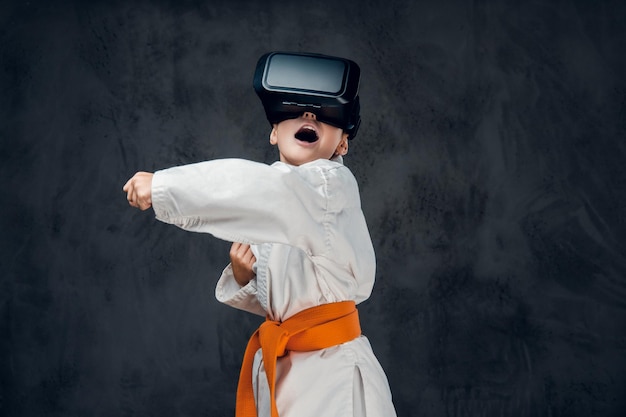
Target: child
x=302, y=255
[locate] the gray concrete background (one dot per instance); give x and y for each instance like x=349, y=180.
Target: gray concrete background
x=491, y=165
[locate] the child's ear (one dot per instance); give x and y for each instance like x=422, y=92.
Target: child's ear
x=342, y=148
x=274, y=135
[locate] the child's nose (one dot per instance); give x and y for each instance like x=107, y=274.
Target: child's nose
x=309, y=115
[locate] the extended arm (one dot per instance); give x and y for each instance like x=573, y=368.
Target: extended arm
x=243, y=201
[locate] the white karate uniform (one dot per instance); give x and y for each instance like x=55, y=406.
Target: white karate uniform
x=312, y=246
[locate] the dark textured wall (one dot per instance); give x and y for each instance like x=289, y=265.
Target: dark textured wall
x=491, y=164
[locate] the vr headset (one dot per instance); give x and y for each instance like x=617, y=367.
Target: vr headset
x=290, y=84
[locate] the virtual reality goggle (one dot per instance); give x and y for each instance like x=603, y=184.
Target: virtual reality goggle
x=290, y=84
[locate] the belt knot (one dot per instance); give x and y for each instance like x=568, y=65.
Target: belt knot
x=274, y=337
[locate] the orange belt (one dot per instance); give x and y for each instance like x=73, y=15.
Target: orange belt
x=312, y=329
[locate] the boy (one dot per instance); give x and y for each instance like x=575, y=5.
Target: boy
x=302, y=255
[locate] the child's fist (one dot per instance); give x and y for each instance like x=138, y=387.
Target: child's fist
x=242, y=259
x=139, y=190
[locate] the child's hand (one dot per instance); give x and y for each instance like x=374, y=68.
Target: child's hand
x=139, y=190
x=242, y=259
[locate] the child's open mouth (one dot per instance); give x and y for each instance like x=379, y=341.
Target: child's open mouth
x=306, y=134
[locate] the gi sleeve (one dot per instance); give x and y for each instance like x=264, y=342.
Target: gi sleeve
x=243, y=201
x=244, y=298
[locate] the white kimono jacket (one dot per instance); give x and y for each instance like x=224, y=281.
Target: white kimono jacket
x=312, y=246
